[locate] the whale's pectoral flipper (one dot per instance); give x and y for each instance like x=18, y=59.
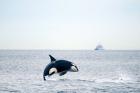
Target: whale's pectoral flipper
x=62, y=73
x=48, y=76
x=52, y=58
x=44, y=78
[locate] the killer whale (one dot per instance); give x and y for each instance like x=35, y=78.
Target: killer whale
x=59, y=66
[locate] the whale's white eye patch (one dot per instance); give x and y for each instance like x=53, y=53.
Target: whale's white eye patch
x=73, y=64
x=52, y=70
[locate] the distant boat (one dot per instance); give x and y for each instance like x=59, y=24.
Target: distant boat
x=99, y=47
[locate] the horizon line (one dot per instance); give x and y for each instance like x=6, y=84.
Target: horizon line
x=77, y=49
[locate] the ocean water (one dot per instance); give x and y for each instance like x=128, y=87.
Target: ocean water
x=99, y=72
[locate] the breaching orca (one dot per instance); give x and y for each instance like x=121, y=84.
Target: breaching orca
x=59, y=66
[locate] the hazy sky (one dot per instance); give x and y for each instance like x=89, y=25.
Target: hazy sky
x=69, y=24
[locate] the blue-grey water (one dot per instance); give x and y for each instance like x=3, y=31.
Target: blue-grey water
x=99, y=72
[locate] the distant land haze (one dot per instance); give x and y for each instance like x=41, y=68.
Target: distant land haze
x=70, y=24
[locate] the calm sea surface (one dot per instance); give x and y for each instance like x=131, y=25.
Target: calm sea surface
x=99, y=72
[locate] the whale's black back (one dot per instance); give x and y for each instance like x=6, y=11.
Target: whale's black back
x=62, y=65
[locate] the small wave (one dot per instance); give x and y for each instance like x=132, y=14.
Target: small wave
x=113, y=80
x=65, y=79
x=9, y=90
x=66, y=92
x=86, y=80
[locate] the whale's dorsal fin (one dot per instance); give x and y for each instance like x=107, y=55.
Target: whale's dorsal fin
x=52, y=58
